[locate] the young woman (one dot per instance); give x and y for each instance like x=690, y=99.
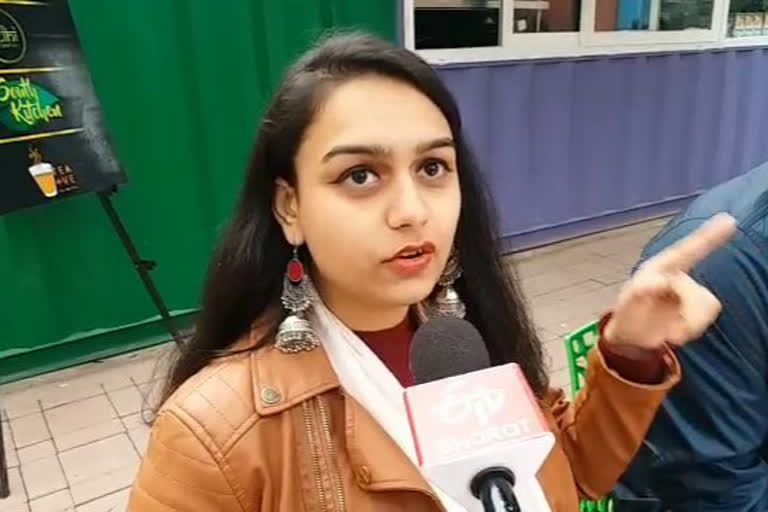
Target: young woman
x=362, y=214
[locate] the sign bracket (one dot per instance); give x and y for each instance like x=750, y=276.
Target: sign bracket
x=143, y=267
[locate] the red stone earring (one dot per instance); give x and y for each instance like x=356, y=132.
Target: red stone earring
x=295, y=333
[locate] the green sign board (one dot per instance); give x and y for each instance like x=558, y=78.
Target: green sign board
x=53, y=143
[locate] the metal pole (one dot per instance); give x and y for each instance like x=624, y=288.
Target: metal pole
x=143, y=267
x=5, y=489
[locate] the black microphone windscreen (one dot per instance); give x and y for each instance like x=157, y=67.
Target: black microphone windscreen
x=444, y=347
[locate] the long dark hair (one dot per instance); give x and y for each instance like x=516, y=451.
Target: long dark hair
x=245, y=276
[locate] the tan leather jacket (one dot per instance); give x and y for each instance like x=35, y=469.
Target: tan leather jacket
x=266, y=431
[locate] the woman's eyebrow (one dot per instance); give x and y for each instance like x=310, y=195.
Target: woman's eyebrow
x=442, y=142
x=379, y=150
x=357, y=149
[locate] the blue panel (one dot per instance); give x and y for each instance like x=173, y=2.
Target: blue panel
x=575, y=141
x=633, y=14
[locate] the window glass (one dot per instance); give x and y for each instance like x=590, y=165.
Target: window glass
x=658, y=15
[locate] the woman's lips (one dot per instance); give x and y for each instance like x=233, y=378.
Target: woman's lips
x=408, y=267
x=412, y=260
x=413, y=250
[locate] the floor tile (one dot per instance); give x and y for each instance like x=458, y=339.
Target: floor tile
x=145, y=371
x=100, y=468
x=151, y=393
x=28, y=430
x=11, y=457
x=133, y=420
x=114, y=379
x=17, y=501
x=43, y=477
x=22, y=403
x=85, y=420
x=560, y=378
x=88, y=434
x=37, y=451
x=60, y=501
x=61, y=393
x=140, y=438
x=126, y=401
x=558, y=358
x=115, y=502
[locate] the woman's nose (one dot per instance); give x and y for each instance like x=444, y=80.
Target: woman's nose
x=407, y=206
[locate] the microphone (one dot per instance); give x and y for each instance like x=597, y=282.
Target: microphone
x=478, y=431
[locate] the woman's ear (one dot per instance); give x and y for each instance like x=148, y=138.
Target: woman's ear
x=285, y=207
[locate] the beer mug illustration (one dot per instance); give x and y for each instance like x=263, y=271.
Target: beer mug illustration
x=43, y=173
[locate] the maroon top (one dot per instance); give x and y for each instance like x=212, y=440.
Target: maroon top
x=393, y=347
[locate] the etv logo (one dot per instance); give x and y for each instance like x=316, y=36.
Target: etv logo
x=458, y=405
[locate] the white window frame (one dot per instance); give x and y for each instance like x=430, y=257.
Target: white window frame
x=588, y=41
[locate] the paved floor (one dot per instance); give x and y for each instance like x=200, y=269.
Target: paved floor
x=572, y=283
x=74, y=438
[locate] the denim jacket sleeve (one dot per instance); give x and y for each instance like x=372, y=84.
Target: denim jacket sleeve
x=706, y=449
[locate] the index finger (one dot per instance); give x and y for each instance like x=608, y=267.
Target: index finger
x=689, y=251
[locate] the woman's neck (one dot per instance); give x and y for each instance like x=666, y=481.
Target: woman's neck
x=363, y=319
x=363, y=316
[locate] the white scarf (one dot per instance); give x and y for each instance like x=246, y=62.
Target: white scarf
x=363, y=376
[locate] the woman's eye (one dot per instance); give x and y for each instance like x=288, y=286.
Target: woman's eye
x=434, y=168
x=360, y=177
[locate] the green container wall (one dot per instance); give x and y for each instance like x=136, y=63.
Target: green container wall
x=182, y=84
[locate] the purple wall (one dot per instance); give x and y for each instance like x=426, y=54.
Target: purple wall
x=575, y=146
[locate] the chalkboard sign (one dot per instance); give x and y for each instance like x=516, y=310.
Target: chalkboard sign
x=53, y=142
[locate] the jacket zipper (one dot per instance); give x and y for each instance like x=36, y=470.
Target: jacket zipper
x=316, y=452
x=336, y=473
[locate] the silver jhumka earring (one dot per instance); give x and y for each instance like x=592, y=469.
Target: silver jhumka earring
x=295, y=333
x=447, y=301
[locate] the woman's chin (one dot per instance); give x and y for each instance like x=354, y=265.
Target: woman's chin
x=412, y=293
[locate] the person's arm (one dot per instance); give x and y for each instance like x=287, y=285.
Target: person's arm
x=703, y=451
x=183, y=471
x=659, y=307
x=635, y=365
x=601, y=431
